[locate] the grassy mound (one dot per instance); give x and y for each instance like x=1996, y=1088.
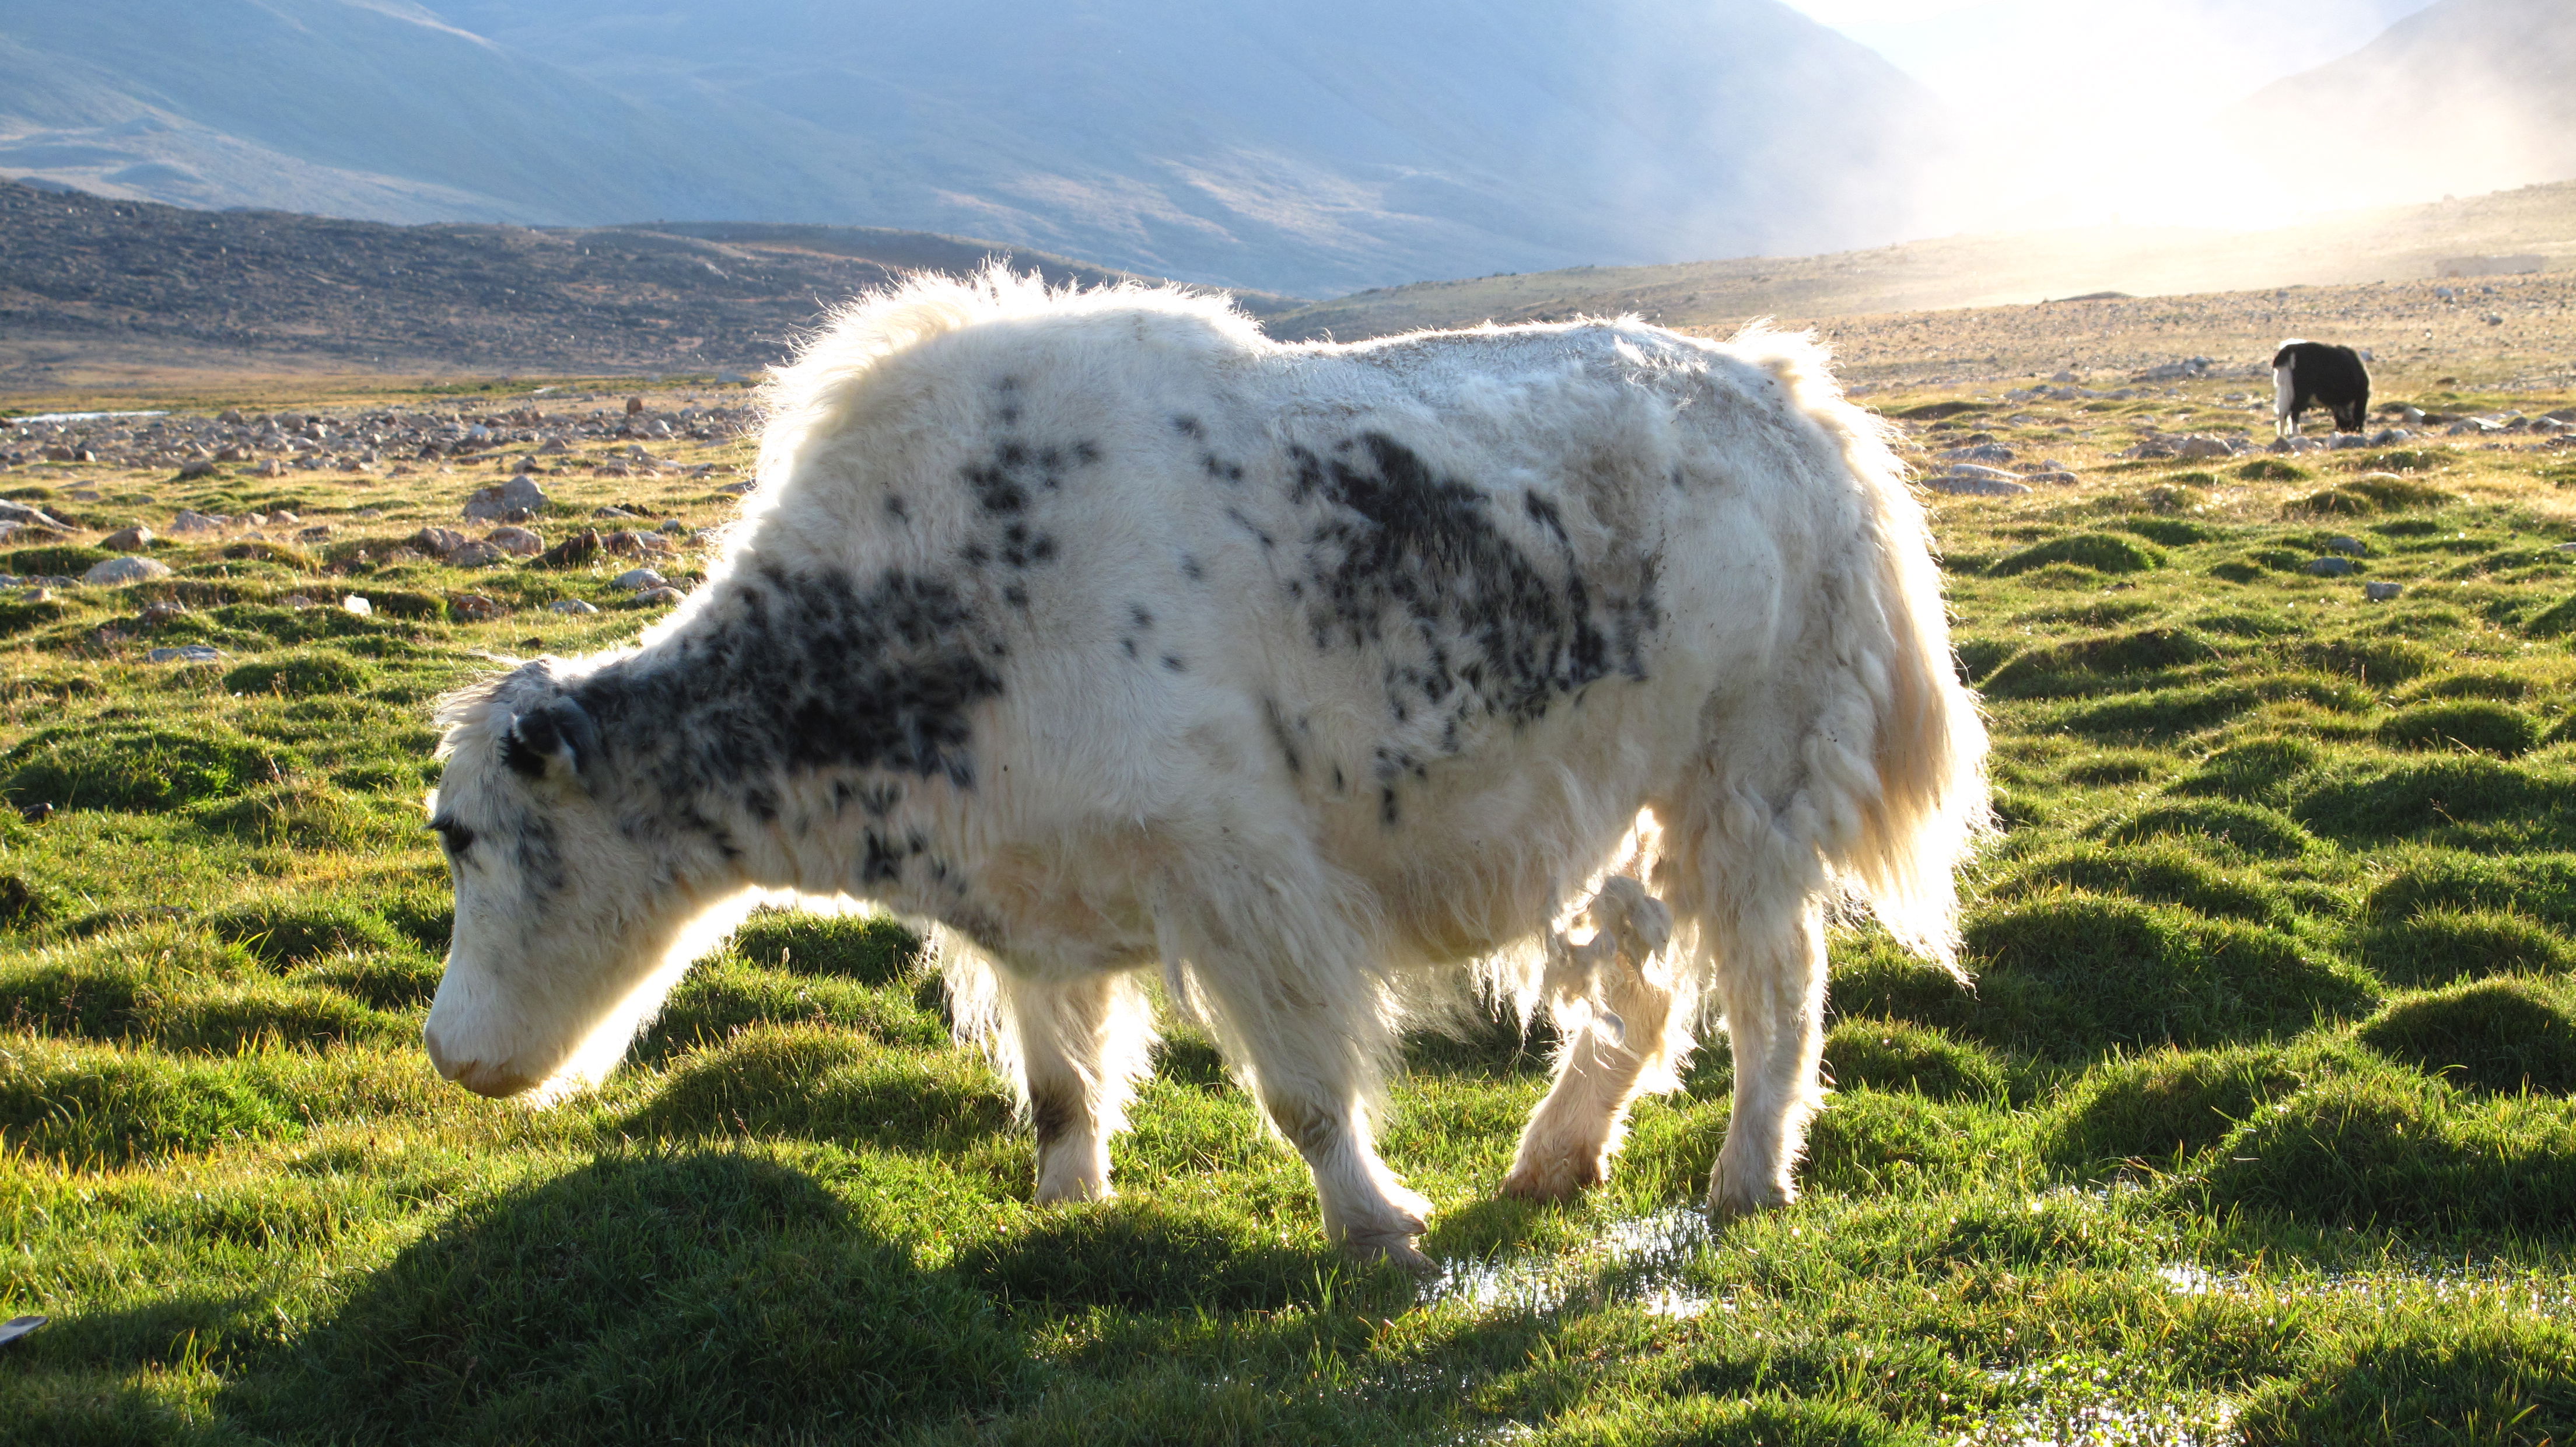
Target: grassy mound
x=2498, y=1035
x=2099, y=552
x=131, y=767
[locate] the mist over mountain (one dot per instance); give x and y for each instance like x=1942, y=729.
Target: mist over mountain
x=2463, y=96
x=1317, y=149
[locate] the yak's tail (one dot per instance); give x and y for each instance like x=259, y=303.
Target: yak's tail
x=1914, y=799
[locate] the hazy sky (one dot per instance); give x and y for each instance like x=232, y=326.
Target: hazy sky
x=2082, y=111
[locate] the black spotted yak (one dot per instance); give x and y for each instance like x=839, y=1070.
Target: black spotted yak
x=1098, y=633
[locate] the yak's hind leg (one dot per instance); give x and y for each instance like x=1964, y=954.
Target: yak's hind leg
x=1752, y=897
x=1081, y=1045
x=1292, y=990
x=1616, y=1001
x=1770, y=980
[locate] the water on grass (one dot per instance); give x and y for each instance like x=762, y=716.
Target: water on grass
x=1638, y=1261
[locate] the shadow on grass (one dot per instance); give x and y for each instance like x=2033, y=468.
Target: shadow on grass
x=1149, y=1258
x=657, y=1296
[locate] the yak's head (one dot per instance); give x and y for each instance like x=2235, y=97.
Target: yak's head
x=575, y=911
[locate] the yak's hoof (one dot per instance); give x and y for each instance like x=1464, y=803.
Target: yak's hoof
x=1734, y=1202
x=1553, y=1182
x=1392, y=1248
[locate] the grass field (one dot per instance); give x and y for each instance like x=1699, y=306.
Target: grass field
x=2257, y=1127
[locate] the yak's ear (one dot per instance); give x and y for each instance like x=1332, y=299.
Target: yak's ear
x=557, y=740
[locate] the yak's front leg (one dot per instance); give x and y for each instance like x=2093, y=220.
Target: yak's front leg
x=1082, y=1045
x=1313, y=1066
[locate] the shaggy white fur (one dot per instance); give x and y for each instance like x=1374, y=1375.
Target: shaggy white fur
x=1098, y=632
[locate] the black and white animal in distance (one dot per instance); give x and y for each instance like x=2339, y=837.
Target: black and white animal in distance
x=2309, y=374
x=1588, y=664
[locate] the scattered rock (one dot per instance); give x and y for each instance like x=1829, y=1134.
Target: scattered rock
x=2354, y=546
x=1970, y=486
x=475, y=606
x=127, y=540
x=673, y=526
x=570, y=605
x=634, y=405
x=298, y=601
x=191, y=521
x=185, y=653
x=639, y=579
x=437, y=542
x=156, y=614
x=628, y=543
x=358, y=605
x=320, y=533
x=113, y=571
x=1981, y=452
x=739, y=488
x=475, y=555
x=573, y=551
x=19, y=512
x=2380, y=592
x=514, y=501
x=2333, y=567
x=2198, y=447
x=202, y=467
x=517, y=542
x=611, y=512
x=657, y=596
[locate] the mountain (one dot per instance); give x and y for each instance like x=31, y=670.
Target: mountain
x=1316, y=149
x=2464, y=96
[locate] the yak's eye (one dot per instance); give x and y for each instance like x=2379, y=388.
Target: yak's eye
x=455, y=836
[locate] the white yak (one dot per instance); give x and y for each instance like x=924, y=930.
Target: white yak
x=1098, y=633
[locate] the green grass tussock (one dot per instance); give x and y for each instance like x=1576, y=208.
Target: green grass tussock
x=2095, y=552
x=2501, y=1036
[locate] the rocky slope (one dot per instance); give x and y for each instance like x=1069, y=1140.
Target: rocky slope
x=88, y=283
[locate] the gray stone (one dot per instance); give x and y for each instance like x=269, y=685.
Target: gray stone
x=514, y=501
x=438, y=542
x=1981, y=452
x=2354, y=546
x=2380, y=592
x=113, y=571
x=518, y=542
x=475, y=555
x=357, y=604
x=657, y=596
x=128, y=540
x=2333, y=567
x=570, y=605
x=1975, y=486
x=637, y=579
x=186, y=653
x=738, y=488
x=191, y=521
x=19, y=512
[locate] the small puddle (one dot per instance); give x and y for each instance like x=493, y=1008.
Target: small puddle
x=1638, y=1261
x=72, y=417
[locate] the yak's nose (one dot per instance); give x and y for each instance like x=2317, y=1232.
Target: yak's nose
x=495, y=1081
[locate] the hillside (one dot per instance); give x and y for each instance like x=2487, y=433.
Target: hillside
x=94, y=290
x=1313, y=151
x=2480, y=94
x=2384, y=245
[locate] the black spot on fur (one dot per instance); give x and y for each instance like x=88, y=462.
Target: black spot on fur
x=1280, y=735
x=801, y=674
x=895, y=509
x=1398, y=557
x=1188, y=427
x=1138, y=614
x=1172, y=664
x=1191, y=570
x=879, y=863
